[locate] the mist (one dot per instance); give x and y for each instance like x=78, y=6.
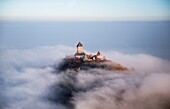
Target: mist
x=28, y=80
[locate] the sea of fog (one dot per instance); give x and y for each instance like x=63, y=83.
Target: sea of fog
x=28, y=81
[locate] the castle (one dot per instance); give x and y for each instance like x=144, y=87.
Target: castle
x=81, y=55
x=83, y=61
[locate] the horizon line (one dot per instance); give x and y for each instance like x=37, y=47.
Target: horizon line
x=84, y=19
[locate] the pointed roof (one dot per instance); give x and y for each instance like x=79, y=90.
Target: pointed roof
x=79, y=44
x=98, y=53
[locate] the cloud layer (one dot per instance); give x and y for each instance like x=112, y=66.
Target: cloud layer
x=29, y=81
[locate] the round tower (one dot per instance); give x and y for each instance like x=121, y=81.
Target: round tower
x=99, y=55
x=80, y=48
x=80, y=53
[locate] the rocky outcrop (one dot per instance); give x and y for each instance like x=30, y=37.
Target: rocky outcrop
x=79, y=64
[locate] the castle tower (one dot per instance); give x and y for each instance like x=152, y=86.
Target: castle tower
x=79, y=48
x=99, y=55
x=80, y=53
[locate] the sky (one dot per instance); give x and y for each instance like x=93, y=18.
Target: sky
x=139, y=36
x=84, y=9
x=150, y=37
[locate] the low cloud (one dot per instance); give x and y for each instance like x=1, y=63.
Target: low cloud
x=28, y=81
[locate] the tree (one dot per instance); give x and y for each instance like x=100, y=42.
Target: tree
x=84, y=58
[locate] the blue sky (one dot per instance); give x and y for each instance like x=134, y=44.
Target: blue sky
x=136, y=36
x=84, y=9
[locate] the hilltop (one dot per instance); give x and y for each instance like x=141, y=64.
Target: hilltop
x=83, y=61
x=77, y=65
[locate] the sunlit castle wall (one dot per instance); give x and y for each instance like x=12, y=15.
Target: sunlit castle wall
x=99, y=56
x=80, y=49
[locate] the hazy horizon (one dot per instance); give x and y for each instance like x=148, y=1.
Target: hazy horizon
x=78, y=10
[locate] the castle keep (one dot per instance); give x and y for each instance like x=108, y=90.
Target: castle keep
x=80, y=54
